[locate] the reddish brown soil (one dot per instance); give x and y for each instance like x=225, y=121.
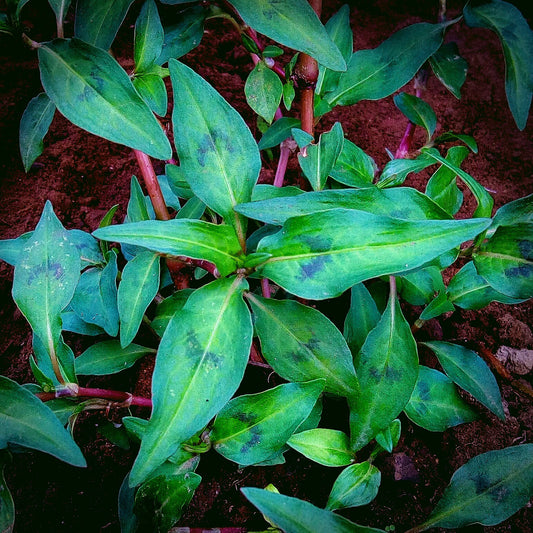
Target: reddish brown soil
x=84, y=176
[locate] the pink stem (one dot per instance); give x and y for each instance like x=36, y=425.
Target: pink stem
x=284, y=154
x=73, y=391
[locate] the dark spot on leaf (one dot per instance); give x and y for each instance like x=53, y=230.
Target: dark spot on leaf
x=424, y=392
x=55, y=269
x=255, y=439
x=313, y=267
x=526, y=249
x=393, y=374
x=317, y=242
x=312, y=344
x=520, y=271
x=246, y=417
x=481, y=483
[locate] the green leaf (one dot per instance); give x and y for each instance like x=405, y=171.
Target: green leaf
x=292, y=23
x=168, y=308
x=506, y=260
x=108, y=357
x=191, y=238
x=298, y=516
x=362, y=317
x=217, y=151
x=7, y=506
x=200, y=363
x=375, y=74
x=95, y=299
x=516, y=212
x=126, y=500
x=137, y=210
x=315, y=257
x=417, y=111
x=45, y=279
x=186, y=34
x=26, y=421
x=278, y=132
x=469, y=290
x=153, y=91
x=34, y=125
x=12, y=250
x=60, y=8
x=327, y=447
x=98, y=21
x=301, y=344
x=465, y=368
x=149, y=36
x=439, y=305
x=487, y=490
x=435, y=404
x=137, y=289
x=356, y=485
x=289, y=93
x=93, y=91
x=159, y=503
x=353, y=166
x=400, y=202
x=387, y=369
x=517, y=42
x=442, y=186
x=263, y=90
x=265, y=191
x=388, y=438
x=449, y=67
x=396, y=171
x=468, y=140
x=64, y=356
x=317, y=160
x=254, y=428
x=419, y=287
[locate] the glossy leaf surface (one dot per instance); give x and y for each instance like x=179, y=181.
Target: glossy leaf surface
x=93, y=91
x=263, y=90
x=255, y=427
x=191, y=238
x=199, y=365
x=168, y=308
x=148, y=39
x=278, y=132
x=327, y=447
x=417, y=111
x=435, y=404
x=315, y=257
x=353, y=166
x=387, y=369
x=153, y=91
x=449, y=67
x=301, y=344
x=515, y=212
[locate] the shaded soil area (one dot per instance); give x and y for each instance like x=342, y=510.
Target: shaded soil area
x=84, y=176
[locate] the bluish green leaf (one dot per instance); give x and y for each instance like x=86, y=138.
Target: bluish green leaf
x=93, y=91
x=64, y=356
x=327, y=447
x=60, y=8
x=168, y=308
x=435, y=404
x=181, y=237
x=449, y=67
x=26, y=421
x=11, y=250
x=387, y=369
x=255, y=427
x=516, y=212
x=419, y=287
x=487, y=490
x=153, y=91
x=388, y=438
x=73, y=323
x=301, y=344
x=356, y=485
x=317, y=160
x=265, y=191
x=34, y=125
x=375, y=74
x=353, y=167
x=149, y=36
x=108, y=357
x=126, y=500
x=87, y=245
x=292, y=23
x=200, y=363
x=7, y=506
x=137, y=289
x=465, y=368
x=263, y=90
x=98, y=21
x=516, y=38
x=417, y=111
x=278, y=132
x=217, y=151
x=298, y=516
x=468, y=140
x=396, y=171
x=506, y=260
x=315, y=257
x=137, y=210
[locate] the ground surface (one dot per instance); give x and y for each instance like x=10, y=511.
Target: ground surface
x=84, y=176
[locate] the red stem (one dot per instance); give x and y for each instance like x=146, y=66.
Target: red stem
x=284, y=154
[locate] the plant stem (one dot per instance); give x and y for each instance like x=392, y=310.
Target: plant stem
x=284, y=153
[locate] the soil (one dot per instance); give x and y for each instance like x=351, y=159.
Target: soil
x=84, y=176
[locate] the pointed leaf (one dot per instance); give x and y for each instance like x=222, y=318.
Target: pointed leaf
x=292, y=23
x=26, y=421
x=93, y=91
x=387, y=368
x=516, y=38
x=515, y=212
x=278, y=132
x=34, y=125
x=419, y=287
x=301, y=344
x=396, y=171
x=12, y=250
x=60, y=8
x=217, y=151
x=315, y=257
x=191, y=238
x=253, y=428
x=168, y=308
x=153, y=91
x=149, y=35
x=200, y=363
x=435, y=404
x=449, y=67
x=137, y=289
x=353, y=166
x=263, y=90
x=417, y=111
x=375, y=74
x=356, y=485
x=486, y=490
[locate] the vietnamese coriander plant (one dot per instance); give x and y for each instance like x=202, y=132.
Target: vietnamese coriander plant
x=264, y=257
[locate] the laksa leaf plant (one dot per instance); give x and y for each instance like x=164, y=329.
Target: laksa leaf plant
x=264, y=258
